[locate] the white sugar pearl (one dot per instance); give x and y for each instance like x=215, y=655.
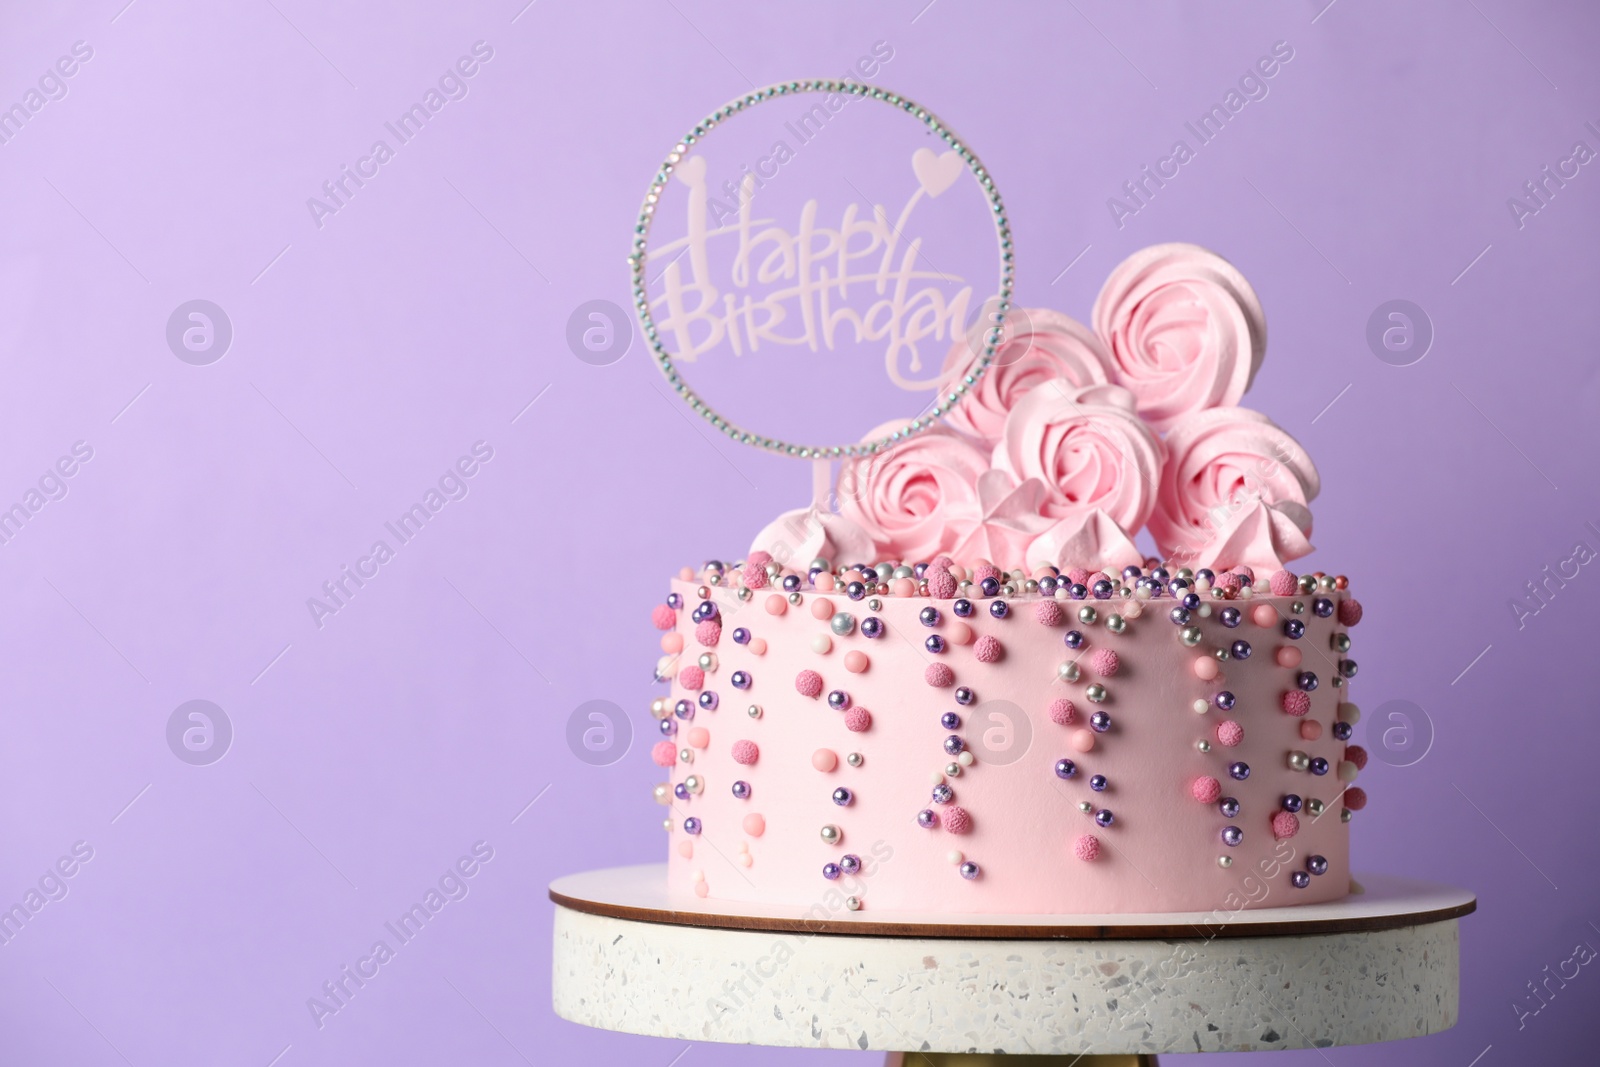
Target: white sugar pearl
x=821, y=644
x=1348, y=771
x=936, y=777
x=965, y=759
x=1200, y=707
x=954, y=856
x=1349, y=713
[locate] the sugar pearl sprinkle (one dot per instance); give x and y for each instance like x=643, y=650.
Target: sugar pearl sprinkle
x=1254, y=638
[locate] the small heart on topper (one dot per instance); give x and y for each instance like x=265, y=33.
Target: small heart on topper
x=935, y=173
x=692, y=171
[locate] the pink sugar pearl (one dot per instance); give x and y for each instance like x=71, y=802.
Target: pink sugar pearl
x=824, y=760
x=672, y=642
x=824, y=582
x=664, y=753
x=708, y=633
x=1355, y=798
x=776, y=605
x=956, y=820
x=1062, y=711
x=691, y=677
x=1264, y=615
x=699, y=737
x=1087, y=848
x=1357, y=755
x=754, y=825
x=1296, y=703
x=938, y=675
x=808, y=683
x=1205, y=668
x=686, y=848
x=902, y=587
x=856, y=661
x=1285, y=825
x=1206, y=789
x=858, y=720
x=745, y=752
x=959, y=633
x=755, y=575
x=1310, y=729
x=1104, y=662
x=758, y=646
x=987, y=649
x=941, y=584
x=1349, y=615
x=1229, y=733
x=1048, y=612
x=701, y=889
x=663, y=617
x=822, y=608
x=1082, y=740
x=1282, y=583
x=1288, y=656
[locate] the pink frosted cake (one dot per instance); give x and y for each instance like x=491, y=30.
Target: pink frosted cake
x=957, y=685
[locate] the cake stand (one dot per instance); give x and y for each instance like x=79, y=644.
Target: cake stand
x=1380, y=965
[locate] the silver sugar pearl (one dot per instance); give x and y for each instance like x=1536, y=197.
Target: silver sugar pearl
x=693, y=784
x=708, y=661
x=1096, y=693
x=843, y=623
x=796, y=599
x=1116, y=623
x=744, y=593
x=1087, y=615
x=714, y=579
x=1085, y=807
x=1297, y=608
x=685, y=755
x=874, y=604
x=1190, y=636
x=853, y=903
x=952, y=770
x=1202, y=745
x=1345, y=815
x=1314, y=807
x=1222, y=654
x=1068, y=672
x=1299, y=761
x=1030, y=586
x=1224, y=861
x=854, y=759
x=754, y=711
x=831, y=834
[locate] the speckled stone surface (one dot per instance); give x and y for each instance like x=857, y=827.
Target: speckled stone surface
x=943, y=995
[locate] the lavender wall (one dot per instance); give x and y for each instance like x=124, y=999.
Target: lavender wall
x=372, y=348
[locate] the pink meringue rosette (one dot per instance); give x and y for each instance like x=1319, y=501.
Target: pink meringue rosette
x=1037, y=345
x=1184, y=330
x=916, y=499
x=1234, y=493
x=797, y=537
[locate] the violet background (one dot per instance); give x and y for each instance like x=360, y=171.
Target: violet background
x=428, y=313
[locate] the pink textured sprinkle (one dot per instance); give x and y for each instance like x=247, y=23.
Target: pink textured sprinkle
x=1098, y=576
x=1229, y=733
x=776, y=605
x=1087, y=848
x=760, y=558
x=1288, y=656
x=1062, y=711
x=942, y=562
x=939, y=675
x=708, y=633
x=1282, y=583
x=1310, y=729
x=1357, y=755
x=987, y=649
x=856, y=661
x=691, y=677
x=1285, y=825
x=745, y=752
x=664, y=617
x=809, y=683
x=1228, y=583
x=1296, y=702
x=858, y=720
x=1077, y=576
x=1205, y=668
x=1206, y=789
x=1246, y=573
x=1048, y=612
x=755, y=575
x=1104, y=662
x=1349, y=615
x=986, y=570
x=1355, y=798
x=941, y=584
x=957, y=821
x=664, y=753
x=822, y=608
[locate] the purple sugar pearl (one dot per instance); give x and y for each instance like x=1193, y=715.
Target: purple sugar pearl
x=1342, y=731
x=1224, y=700
x=1130, y=572
x=850, y=863
x=872, y=627
x=741, y=679
x=791, y=583
x=741, y=636
x=691, y=825
x=1103, y=817
x=927, y=819
x=1207, y=573
x=943, y=794
x=830, y=871
x=843, y=797
x=930, y=616
x=669, y=727
x=950, y=721
x=1299, y=879
x=953, y=745
x=934, y=644
x=1322, y=607
x=1160, y=574
x=1073, y=639
x=1317, y=865
x=1229, y=617
x=1294, y=629
x=990, y=587
x=709, y=700
x=965, y=696
x=1065, y=768
x=706, y=610
x=1231, y=836
x=1100, y=722
x=1239, y=771
x=1047, y=586
x=970, y=870
x=1306, y=680
x=1291, y=802
x=1077, y=591
x=1229, y=807
x=839, y=700
x=1319, y=766
x=1103, y=589
x=741, y=790
x=1099, y=783
x=855, y=591
x=683, y=709
x=999, y=609
x=680, y=791
x=1240, y=650
x=1191, y=601
x=674, y=601
x=962, y=608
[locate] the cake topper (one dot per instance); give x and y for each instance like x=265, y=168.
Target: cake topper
x=838, y=281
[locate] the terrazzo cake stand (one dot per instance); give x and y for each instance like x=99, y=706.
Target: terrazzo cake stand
x=1380, y=965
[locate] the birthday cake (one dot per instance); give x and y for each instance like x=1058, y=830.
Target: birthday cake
x=953, y=682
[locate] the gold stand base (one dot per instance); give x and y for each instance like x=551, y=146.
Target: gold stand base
x=991, y=1059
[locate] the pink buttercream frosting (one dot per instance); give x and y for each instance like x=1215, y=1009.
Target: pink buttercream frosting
x=1184, y=330
x=1037, y=346
x=797, y=537
x=916, y=499
x=1234, y=492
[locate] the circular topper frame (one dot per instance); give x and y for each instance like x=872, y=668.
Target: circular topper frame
x=637, y=259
